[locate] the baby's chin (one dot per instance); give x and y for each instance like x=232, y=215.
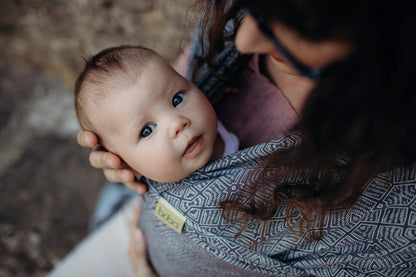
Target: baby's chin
x=171, y=178
x=182, y=172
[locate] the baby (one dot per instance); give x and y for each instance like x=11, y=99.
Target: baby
x=160, y=124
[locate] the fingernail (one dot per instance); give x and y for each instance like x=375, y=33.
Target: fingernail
x=88, y=140
x=110, y=163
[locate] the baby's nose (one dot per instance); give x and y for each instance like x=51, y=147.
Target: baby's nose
x=177, y=125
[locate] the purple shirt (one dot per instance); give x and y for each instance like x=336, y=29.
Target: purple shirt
x=259, y=112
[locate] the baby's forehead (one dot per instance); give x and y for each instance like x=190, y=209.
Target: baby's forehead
x=98, y=91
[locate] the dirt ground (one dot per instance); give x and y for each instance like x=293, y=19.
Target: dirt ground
x=47, y=187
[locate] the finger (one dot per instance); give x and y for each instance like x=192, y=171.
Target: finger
x=136, y=186
x=104, y=159
x=137, y=254
x=137, y=248
x=87, y=139
x=134, y=223
x=126, y=177
x=119, y=175
x=142, y=265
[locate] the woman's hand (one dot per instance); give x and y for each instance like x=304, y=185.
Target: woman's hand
x=137, y=247
x=111, y=164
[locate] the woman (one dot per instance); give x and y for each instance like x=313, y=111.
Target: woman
x=334, y=195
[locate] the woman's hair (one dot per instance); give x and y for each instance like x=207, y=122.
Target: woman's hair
x=356, y=123
x=107, y=71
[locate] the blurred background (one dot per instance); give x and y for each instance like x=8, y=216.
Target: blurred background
x=47, y=187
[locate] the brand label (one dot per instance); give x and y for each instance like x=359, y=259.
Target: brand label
x=169, y=215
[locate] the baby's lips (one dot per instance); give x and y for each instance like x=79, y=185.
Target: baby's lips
x=194, y=147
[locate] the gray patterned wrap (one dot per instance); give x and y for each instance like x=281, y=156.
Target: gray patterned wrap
x=376, y=237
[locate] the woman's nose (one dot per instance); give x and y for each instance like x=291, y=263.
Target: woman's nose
x=177, y=125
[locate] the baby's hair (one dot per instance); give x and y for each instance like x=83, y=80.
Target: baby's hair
x=106, y=72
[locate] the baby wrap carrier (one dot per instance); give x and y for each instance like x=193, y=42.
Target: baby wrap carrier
x=375, y=237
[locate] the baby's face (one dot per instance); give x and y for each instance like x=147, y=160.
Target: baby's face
x=162, y=126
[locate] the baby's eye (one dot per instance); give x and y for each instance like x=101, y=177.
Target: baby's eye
x=178, y=98
x=147, y=130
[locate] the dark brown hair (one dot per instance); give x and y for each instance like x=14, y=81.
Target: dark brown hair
x=357, y=122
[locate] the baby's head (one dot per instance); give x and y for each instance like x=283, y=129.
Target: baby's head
x=141, y=109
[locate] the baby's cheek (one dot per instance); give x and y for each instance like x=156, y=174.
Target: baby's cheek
x=140, y=163
x=161, y=170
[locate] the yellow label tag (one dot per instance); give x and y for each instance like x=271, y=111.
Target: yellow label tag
x=169, y=215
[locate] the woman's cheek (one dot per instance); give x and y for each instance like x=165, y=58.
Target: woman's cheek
x=249, y=40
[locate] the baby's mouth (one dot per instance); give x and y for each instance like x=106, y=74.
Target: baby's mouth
x=194, y=147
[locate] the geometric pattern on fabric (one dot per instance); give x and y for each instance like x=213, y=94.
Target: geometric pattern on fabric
x=376, y=237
